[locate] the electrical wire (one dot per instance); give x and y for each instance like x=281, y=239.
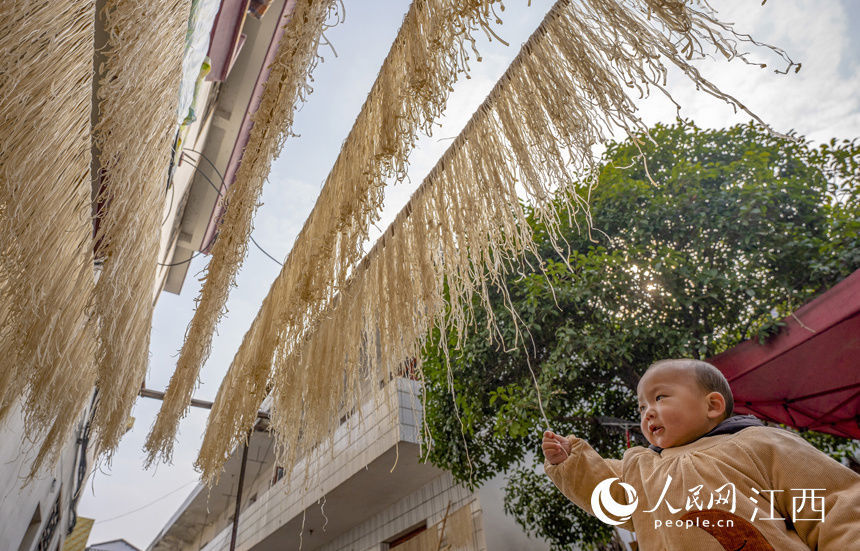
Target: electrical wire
x=208, y=160
x=181, y=262
x=196, y=166
x=264, y=251
x=170, y=206
x=81, y=458
x=220, y=194
x=142, y=507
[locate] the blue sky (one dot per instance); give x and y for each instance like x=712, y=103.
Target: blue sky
x=821, y=101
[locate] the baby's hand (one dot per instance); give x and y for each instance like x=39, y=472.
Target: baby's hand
x=556, y=448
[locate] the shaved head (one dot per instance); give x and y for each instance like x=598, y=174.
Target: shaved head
x=708, y=377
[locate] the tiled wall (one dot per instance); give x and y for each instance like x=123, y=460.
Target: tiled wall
x=428, y=503
x=357, y=442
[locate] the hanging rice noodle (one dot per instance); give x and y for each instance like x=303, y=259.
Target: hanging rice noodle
x=138, y=98
x=286, y=87
x=465, y=227
x=426, y=58
x=429, y=52
x=46, y=264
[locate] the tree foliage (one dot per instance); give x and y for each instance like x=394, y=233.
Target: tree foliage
x=738, y=229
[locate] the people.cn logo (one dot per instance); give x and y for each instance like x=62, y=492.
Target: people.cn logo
x=603, y=505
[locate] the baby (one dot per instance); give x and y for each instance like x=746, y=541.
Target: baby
x=709, y=480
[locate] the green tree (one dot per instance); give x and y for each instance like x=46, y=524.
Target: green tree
x=741, y=228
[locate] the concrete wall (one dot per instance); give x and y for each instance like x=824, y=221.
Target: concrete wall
x=176, y=199
x=216, y=136
x=20, y=500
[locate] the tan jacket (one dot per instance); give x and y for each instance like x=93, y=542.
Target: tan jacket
x=756, y=458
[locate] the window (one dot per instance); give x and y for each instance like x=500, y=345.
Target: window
x=50, y=527
x=406, y=535
x=279, y=474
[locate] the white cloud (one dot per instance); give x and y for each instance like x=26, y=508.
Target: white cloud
x=820, y=101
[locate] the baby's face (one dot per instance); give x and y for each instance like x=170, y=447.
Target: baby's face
x=673, y=407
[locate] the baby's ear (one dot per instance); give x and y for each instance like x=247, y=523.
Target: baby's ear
x=716, y=405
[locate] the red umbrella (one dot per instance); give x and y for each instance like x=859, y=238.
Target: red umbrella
x=808, y=375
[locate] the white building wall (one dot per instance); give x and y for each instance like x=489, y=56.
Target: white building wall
x=427, y=504
x=357, y=442
x=21, y=498
x=290, y=511
x=176, y=196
